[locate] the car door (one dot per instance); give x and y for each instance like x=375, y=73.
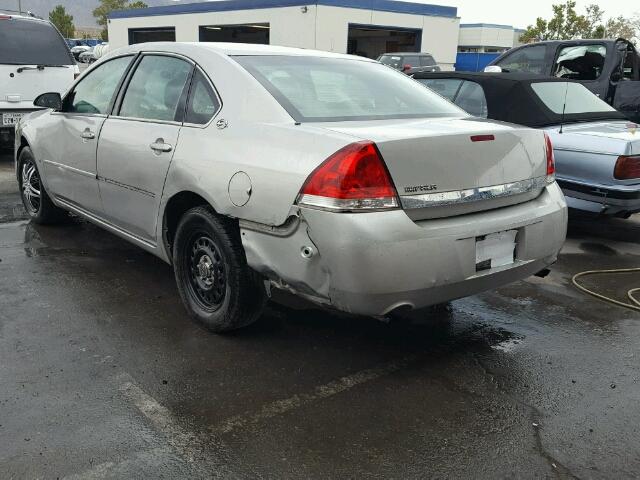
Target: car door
x=137, y=143
x=71, y=170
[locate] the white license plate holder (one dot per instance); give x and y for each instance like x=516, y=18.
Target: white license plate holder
x=10, y=119
x=495, y=250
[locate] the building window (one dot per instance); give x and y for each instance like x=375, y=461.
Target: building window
x=160, y=34
x=249, y=33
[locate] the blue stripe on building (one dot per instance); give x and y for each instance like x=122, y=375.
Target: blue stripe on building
x=229, y=5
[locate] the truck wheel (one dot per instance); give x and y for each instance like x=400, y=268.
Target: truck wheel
x=216, y=285
x=35, y=199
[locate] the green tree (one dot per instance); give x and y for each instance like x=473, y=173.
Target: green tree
x=102, y=11
x=63, y=21
x=567, y=24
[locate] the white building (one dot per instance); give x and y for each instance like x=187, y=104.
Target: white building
x=488, y=38
x=363, y=27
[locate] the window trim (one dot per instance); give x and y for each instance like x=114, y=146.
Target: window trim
x=215, y=92
x=114, y=96
x=125, y=86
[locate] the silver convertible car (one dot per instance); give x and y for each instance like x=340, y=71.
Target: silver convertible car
x=253, y=167
x=597, y=149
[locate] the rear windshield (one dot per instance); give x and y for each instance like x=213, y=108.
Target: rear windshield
x=30, y=42
x=317, y=89
x=394, y=61
x=570, y=98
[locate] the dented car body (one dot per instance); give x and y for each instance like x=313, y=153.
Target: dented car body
x=364, y=201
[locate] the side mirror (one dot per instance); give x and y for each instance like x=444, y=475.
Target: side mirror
x=49, y=100
x=493, y=69
x=406, y=67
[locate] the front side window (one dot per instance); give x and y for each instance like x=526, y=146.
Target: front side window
x=581, y=62
x=155, y=88
x=32, y=42
x=334, y=89
x=527, y=59
x=93, y=94
x=203, y=103
x=570, y=98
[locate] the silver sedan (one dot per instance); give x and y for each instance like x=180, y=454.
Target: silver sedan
x=253, y=167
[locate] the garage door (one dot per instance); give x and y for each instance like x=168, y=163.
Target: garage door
x=371, y=41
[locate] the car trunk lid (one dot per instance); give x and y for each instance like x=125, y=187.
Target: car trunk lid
x=452, y=166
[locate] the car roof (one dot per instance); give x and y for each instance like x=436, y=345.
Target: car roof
x=232, y=49
x=15, y=16
x=406, y=53
x=510, y=98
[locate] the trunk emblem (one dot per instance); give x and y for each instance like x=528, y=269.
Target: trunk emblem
x=420, y=188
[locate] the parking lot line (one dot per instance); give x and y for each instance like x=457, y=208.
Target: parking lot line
x=154, y=456
x=189, y=445
x=327, y=390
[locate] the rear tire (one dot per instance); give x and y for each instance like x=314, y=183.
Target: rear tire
x=216, y=285
x=34, y=196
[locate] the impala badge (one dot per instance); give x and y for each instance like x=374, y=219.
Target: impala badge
x=421, y=188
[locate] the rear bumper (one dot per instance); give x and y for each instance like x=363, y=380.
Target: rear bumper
x=373, y=263
x=607, y=200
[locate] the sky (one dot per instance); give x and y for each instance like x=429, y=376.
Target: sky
x=520, y=13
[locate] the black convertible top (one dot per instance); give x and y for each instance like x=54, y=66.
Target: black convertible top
x=510, y=98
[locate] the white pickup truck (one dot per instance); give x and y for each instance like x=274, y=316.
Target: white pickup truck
x=34, y=59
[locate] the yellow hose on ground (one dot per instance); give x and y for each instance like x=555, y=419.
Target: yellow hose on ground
x=635, y=305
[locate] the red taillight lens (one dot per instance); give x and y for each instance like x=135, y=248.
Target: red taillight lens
x=627, y=168
x=551, y=160
x=5, y=17
x=353, y=178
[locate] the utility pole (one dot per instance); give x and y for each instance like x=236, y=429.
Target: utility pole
x=20, y=6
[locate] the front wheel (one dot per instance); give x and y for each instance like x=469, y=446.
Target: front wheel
x=216, y=285
x=35, y=199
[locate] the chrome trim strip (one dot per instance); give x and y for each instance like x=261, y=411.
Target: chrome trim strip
x=71, y=169
x=470, y=195
x=579, y=150
x=128, y=187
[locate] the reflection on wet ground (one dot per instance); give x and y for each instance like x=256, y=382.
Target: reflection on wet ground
x=104, y=375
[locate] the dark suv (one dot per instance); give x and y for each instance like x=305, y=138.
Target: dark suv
x=410, y=62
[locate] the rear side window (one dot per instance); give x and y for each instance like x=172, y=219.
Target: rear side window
x=393, y=61
x=527, y=59
x=32, y=42
x=94, y=92
x=427, y=61
x=155, y=88
x=472, y=99
x=447, y=87
x=412, y=60
x=203, y=103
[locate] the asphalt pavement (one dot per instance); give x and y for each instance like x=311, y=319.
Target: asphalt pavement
x=104, y=376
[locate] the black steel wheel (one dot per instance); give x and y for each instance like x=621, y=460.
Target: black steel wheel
x=208, y=277
x=216, y=285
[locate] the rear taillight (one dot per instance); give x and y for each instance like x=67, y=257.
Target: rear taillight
x=627, y=168
x=355, y=178
x=551, y=160
x=5, y=17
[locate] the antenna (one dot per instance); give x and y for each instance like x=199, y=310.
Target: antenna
x=564, y=106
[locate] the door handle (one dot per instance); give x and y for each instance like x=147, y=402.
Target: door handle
x=159, y=146
x=88, y=135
